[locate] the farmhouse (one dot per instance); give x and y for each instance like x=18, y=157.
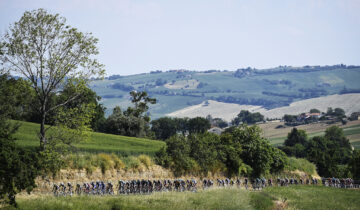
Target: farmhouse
x=306, y=116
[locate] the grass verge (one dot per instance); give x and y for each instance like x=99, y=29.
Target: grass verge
x=293, y=197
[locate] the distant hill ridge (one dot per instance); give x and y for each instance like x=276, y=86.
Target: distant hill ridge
x=267, y=88
x=253, y=71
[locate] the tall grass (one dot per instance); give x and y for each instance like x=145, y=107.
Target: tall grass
x=210, y=199
x=105, y=162
x=301, y=165
x=316, y=197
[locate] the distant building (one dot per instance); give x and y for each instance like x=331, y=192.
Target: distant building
x=305, y=116
x=355, y=116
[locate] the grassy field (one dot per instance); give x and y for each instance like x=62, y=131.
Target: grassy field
x=308, y=197
x=98, y=142
x=278, y=136
x=295, y=197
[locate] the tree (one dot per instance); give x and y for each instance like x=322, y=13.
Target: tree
x=49, y=54
x=257, y=151
x=141, y=102
x=203, y=149
x=164, y=127
x=296, y=137
x=247, y=117
x=87, y=98
x=229, y=153
x=339, y=112
x=330, y=111
x=198, y=125
x=134, y=121
x=16, y=96
x=329, y=151
x=18, y=167
x=318, y=152
x=178, y=149
x=290, y=118
x=314, y=111
x=354, y=164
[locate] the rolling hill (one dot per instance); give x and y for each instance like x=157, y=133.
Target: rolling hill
x=227, y=111
x=267, y=88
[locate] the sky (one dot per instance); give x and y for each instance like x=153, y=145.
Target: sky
x=138, y=36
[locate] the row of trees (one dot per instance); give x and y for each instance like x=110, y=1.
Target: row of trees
x=332, y=153
x=240, y=152
x=247, y=117
x=167, y=127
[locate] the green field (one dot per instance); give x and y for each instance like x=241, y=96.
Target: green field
x=349, y=132
x=294, y=197
x=98, y=142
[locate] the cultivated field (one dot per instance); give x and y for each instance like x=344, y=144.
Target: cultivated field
x=183, y=84
x=227, y=111
x=349, y=102
x=294, y=197
x=278, y=135
x=98, y=142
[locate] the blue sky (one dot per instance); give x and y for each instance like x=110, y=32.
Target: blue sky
x=137, y=36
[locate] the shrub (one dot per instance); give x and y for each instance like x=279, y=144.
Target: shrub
x=145, y=160
x=245, y=170
x=89, y=169
x=118, y=163
x=133, y=163
x=105, y=162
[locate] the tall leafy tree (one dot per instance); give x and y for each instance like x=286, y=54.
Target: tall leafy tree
x=354, y=164
x=164, y=127
x=198, y=125
x=49, y=53
x=329, y=151
x=16, y=96
x=134, y=121
x=18, y=167
x=296, y=137
x=247, y=117
x=203, y=149
x=257, y=151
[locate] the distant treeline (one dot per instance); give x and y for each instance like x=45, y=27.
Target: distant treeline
x=346, y=90
x=254, y=101
x=241, y=72
x=285, y=69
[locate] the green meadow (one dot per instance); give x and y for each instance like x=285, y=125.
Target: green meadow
x=97, y=143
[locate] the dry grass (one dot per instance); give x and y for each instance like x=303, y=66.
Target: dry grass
x=226, y=111
x=348, y=102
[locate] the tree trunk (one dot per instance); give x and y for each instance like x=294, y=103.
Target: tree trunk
x=43, y=140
